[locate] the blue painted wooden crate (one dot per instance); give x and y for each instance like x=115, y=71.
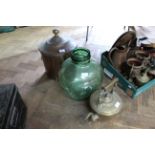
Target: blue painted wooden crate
x=123, y=83
x=7, y=29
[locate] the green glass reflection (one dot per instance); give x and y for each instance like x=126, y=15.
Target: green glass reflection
x=80, y=76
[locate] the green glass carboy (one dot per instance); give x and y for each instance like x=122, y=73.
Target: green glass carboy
x=79, y=75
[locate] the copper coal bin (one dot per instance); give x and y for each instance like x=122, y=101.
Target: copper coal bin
x=54, y=51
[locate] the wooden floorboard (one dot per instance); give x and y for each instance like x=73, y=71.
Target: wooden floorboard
x=48, y=107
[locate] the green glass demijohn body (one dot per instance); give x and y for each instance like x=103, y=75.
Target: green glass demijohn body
x=79, y=75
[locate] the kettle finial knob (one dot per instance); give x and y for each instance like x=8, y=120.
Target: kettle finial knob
x=56, y=32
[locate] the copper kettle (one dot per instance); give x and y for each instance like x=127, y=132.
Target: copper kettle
x=142, y=77
x=117, y=56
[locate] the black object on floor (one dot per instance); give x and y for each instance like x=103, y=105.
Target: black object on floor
x=12, y=108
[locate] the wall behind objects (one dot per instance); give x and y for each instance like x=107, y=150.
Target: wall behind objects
x=105, y=35
x=145, y=31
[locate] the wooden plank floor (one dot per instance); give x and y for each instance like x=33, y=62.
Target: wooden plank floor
x=48, y=107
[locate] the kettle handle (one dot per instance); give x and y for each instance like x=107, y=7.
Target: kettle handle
x=110, y=52
x=56, y=32
x=113, y=49
x=109, y=87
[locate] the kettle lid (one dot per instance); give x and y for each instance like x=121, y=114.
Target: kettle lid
x=56, y=43
x=56, y=40
x=105, y=104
